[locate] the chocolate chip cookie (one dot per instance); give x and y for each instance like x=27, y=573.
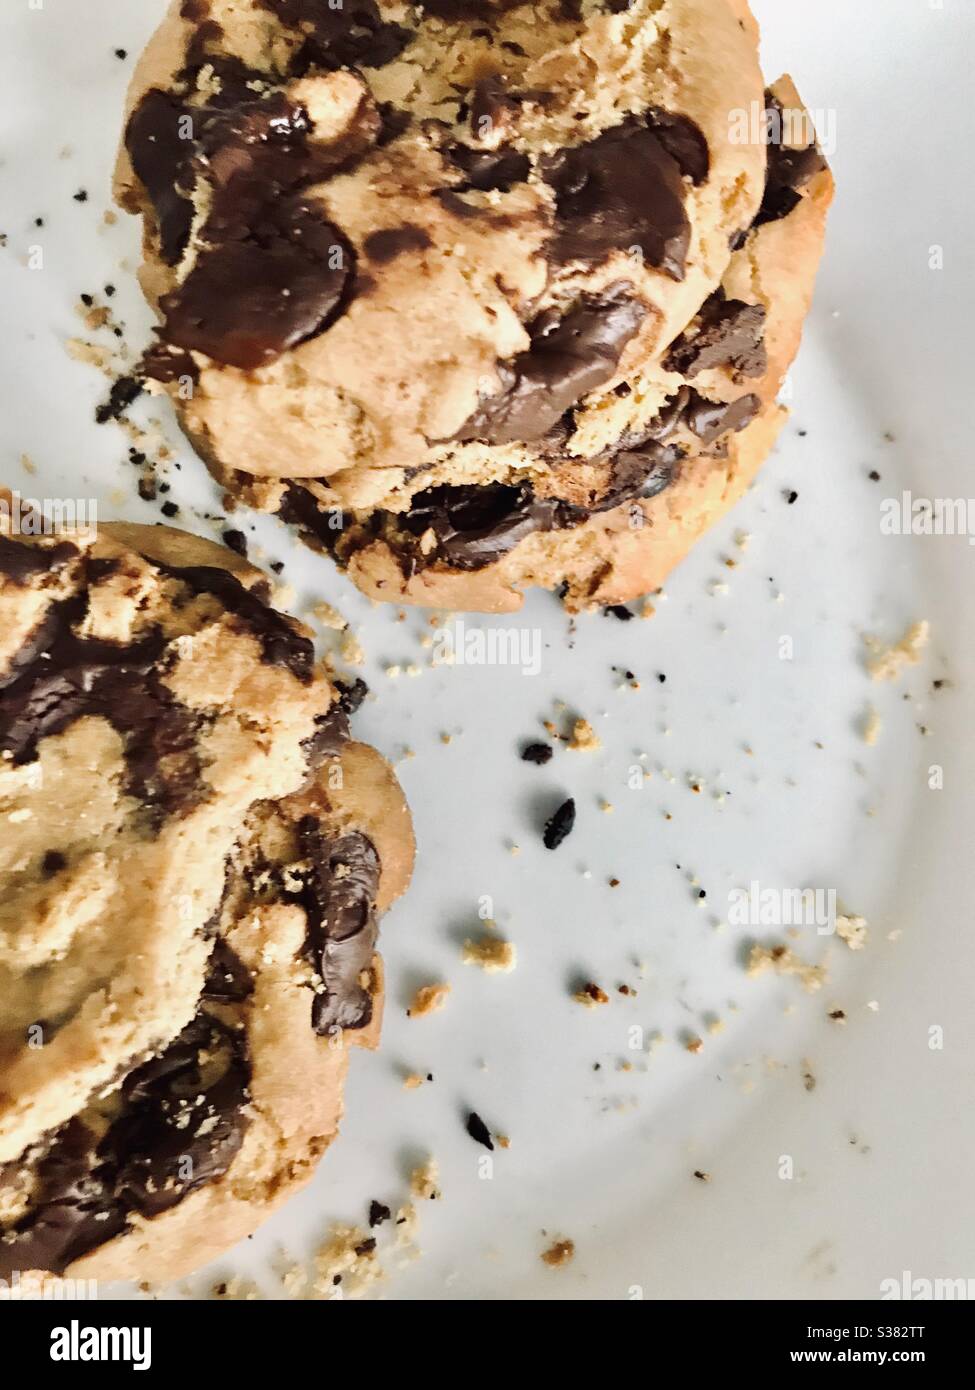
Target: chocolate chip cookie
x=194, y=860
x=428, y=277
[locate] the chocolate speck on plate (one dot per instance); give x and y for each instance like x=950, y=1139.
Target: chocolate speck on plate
x=559, y=826
x=478, y=1130
x=538, y=753
x=378, y=1213
x=237, y=542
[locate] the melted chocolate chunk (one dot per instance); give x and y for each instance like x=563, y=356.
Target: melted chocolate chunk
x=352, y=34
x=162, y=157
x=332, y=728
x=228, y=981
x=72, y=1210
x=385, y=245
x=711, y=419
x=486, y=170
x=624, y=191
x=476, y=524
x=281, y=644
x=299, y=507
x=569, y=357
x=339, y=898
x=788, y=170
x=21, y=562
x=61, y=678
x=184, y=1121
x=274, y=272
x=246, y=302
x=684, y=141
x=181, y=1125
x=330, y=736
x=725, y=333
x=58, y=677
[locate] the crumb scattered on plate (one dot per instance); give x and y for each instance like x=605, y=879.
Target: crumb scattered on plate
x=491, y=954
x=428, y=999
x=785, y=962
x=559, y=1253
x=886, y=663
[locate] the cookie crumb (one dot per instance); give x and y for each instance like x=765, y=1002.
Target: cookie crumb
x=886, y=663
x=584, y=738
x=871, y=726
x=347, y=1261
x=329, y=617
x=559, y=1253
x=590, y=995
x=853, y=930
x=491, y=954
x=423, y=1181
x=785, y=962
x=428, y=999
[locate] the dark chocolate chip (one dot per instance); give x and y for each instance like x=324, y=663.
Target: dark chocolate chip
x=624, y=191
x=181, y=1126
x=478, y=1130
x=228, y=980
x=620, y=611
x=246, y=302
x=124, y=391
x=538, y=753
x=725, y=333
x=378, y=1213
x=485, y=170
x=476, y=525
x=559, y=825
x=711, y=419
x=237, y=542
x=184, y=1120
x=72, y=1208
x=788, y=170
x=570, y=355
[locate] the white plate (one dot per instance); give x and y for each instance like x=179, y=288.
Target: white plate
x=882, y=1147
